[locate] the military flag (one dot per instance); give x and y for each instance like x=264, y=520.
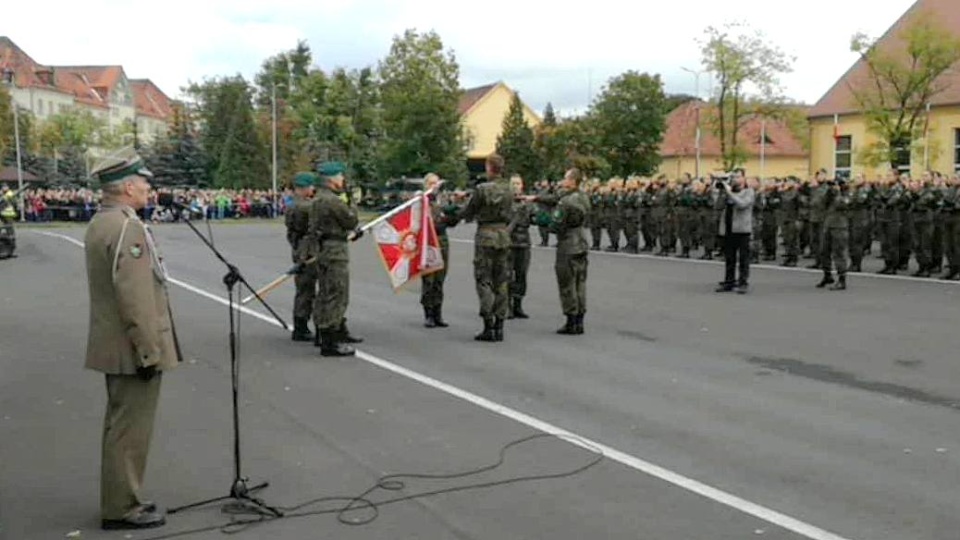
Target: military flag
x=407, y=241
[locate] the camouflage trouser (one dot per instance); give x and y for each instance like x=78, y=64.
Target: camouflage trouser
x=431, y=286
x=596, y=235
x=572, y=282
x=938, y=242
x=859, y=241
x=709, y=227
x=544, y=235
x=648, y=228
x=890, y=243
x=835, y=245
x=631, y=229
x=768, y=233
x=491, y=272
x=519, y=266
x=333, y=295
x=613, y=231
x=668, y=234
x=791, y=239
x=951, y=239
x=816, y=237
x=923, y=243
x=306, y=287
x=686, y=228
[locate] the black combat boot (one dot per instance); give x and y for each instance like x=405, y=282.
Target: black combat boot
x=578, y=324
x=841, y=285
x=430, y=320
x=345, y=336
x=498, y=329
x=827, y=280
x=301, y=330
x=685, y=254
x=333, y=345
x=953, y=274
x=487, y=334
x=438, y=317
x=518, y=308
x=570, y=328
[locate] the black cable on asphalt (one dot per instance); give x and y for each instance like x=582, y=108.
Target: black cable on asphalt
x=392, y=482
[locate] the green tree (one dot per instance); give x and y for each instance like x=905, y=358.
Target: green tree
x=177, y=158
x=228, y=132
x=285, y=70
x=420, y=93
x=581, y=141
x=515, y=143
x=900, y=84
x=549, y=146
x=746, y=67
x=8, y=147
x=629, y=114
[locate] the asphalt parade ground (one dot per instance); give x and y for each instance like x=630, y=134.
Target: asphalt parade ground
x=788, y=413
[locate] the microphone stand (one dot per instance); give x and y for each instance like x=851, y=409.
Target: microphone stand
x=243, y=502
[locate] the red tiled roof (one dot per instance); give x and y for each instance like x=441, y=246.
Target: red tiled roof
x=471, y=96
x=839, y=99
x=27, y=72
x=679, y=138
x=150, y=100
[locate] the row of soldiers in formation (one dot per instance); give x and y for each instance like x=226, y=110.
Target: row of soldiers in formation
x=909, y=217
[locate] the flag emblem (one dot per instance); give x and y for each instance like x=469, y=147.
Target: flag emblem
x=408, y=244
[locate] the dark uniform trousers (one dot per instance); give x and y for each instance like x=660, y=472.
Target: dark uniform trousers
x=334, y=294
x=306, y=292
x=491, y=271
x=572, y=281
x=431, y=293
x=951, y=239
x=519, y=267
x=127, y=428
x=834, y=245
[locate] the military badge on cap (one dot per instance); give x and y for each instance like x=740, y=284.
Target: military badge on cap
x=120, y=166
x=136, y=251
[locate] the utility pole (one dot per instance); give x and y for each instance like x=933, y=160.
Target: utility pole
x=696, y=92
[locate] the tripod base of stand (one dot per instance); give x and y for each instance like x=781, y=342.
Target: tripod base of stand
x=242, y=501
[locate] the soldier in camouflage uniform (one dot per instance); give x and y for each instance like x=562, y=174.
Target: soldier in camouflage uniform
x=910, y=194
x=302, y=246
x=686, y=215
x=630, y=215
x=332, y=224
x=836, y=233
x=595, y=219
x=666, y=218
x=817, y=215
x=861, y=203
x=431, y=292
x=789, y=220
x=951, y=227
x=567, y=222
x=524, y=214
x=888, y=203
x=544, y=188
x=491, y=206
x=768, y=216
x=611, y=213
x=649, y=226
x=709, y=219
x=926, y=203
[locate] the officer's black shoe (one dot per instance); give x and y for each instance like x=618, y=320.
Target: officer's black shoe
x=922, y=273
x=841, y=285
x=570, y=328
x=487, y=334
x=517, y=310
x=498, y=329
x=430, y=320
x=438, y=317
x=827, y=280
x=333, y=345
x=301, y=330
x=953, y=274
x=345, y=336
x=140, y=518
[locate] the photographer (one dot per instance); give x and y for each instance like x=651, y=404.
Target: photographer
x=736, y=227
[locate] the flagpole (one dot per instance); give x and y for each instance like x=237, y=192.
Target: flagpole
x=366, y=226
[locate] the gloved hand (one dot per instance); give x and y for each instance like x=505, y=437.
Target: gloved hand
x=145, y=373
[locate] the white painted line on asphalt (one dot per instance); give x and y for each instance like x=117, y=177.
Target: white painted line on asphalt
x=719, y=262
x=769, y=515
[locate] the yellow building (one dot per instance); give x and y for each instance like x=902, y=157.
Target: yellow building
x=482, y=110
x=838, y=130
x=779, y=155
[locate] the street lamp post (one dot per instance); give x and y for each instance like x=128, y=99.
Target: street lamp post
x=8, y=80
x=696, y=91
x=274, y=147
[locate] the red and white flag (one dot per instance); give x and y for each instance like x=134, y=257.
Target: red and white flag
x=407, y=242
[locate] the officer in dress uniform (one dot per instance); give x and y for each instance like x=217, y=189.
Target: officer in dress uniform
x=303, y=247
x=131, y=338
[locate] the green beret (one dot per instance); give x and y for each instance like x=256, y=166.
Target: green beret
x=331, y=168
x=304, y=179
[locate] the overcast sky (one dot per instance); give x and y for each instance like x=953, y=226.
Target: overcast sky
x=547, y=53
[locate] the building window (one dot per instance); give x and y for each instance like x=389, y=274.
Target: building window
x=901, y=156
x=843, y=157
x=956, y=150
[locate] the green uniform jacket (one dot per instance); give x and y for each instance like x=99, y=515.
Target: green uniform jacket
x=567, y=222
x=130, y=321
x=491, y=206
x=297, y=220
x=331, y=220
x=523, y=216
